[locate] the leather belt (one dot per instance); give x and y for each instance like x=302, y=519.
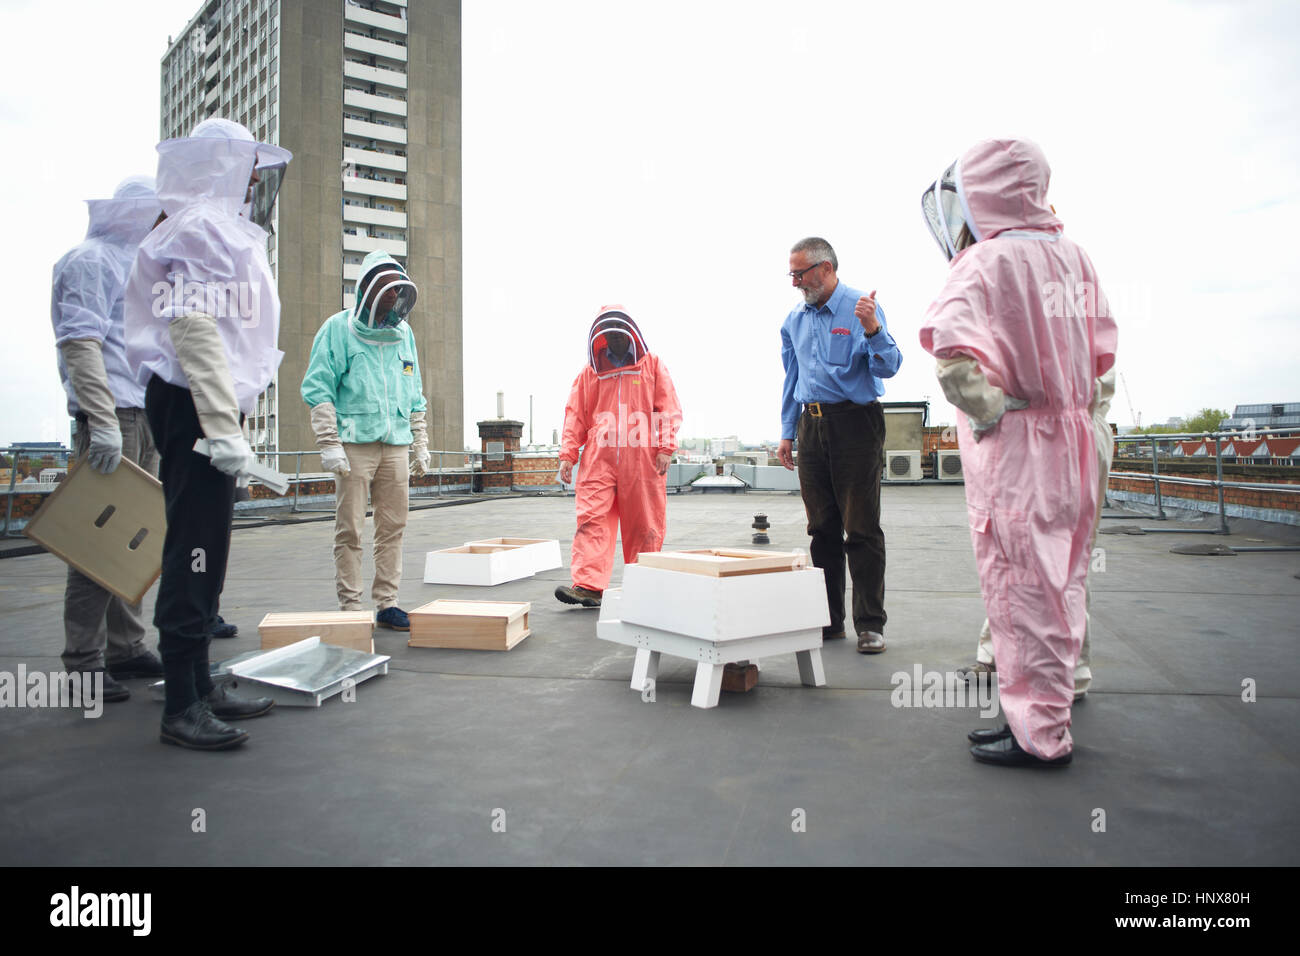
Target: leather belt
x=821, y=409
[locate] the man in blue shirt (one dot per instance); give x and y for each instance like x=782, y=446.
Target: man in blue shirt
x=836, y=349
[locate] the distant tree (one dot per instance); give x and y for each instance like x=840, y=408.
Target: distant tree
x=1206, y=420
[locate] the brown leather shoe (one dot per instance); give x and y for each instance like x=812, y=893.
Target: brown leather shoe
x=832, y=634
x=577, y=595
x=871, y=642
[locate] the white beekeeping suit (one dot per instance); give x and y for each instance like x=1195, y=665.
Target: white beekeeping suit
x=202, y=318
x=202, y=309
x=86, y=309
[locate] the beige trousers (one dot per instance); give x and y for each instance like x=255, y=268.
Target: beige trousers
x=382, y=472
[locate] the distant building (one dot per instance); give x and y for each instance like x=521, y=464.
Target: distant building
x=1261, y=416
x=366, y=94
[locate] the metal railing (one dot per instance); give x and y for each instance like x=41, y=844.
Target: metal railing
x=471, y=469
x=1219, y=438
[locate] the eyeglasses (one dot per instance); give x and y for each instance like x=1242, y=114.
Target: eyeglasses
x=798, y=273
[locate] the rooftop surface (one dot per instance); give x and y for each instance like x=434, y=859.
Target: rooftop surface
x=548, y=740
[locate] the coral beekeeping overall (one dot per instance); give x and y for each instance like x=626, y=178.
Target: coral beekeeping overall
x=1022, y=332
x=622, y=412
x=367, y=410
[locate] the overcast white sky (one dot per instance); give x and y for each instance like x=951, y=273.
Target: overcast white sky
x=666, y=154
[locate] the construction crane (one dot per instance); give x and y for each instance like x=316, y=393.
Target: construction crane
x=1137, y=418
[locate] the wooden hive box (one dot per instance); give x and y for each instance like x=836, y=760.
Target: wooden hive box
x=109, y=527
x=724, y=562
x=354, y=629
x=470, y=625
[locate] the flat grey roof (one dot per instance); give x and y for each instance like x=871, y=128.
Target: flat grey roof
x=587, y=773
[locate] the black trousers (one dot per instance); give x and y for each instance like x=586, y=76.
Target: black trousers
x=200, y=503
x=841, y=458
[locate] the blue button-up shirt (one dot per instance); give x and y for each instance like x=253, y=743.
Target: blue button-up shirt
x=824, y=365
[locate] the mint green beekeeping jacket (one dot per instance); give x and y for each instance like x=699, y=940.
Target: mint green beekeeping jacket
x=370, y=376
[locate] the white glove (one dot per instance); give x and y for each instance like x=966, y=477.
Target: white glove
x=420, y=443
x=105, y=451
x=84, y=361
x=230, y=454
x=965, y=385
x=202, y=357
x=334, y=458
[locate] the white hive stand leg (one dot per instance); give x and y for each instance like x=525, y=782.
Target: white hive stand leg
x=708, y=685
x=645, y=667
x=811, y=673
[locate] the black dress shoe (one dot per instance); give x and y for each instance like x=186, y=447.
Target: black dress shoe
x=113, y=692
x=227, y=706
x=223, y=629
x=1007, y=753
x=986, y=735
x=197, y=728
x=145, y=664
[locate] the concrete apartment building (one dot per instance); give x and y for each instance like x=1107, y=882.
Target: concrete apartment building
x=366, y=94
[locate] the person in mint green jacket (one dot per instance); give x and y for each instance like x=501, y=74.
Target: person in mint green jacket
x=367, y=410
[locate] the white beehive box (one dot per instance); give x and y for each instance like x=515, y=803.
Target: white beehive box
x=478, y=564
x=722, y=608
x=543, y=552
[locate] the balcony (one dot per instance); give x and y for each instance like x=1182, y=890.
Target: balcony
x=373, y=18
x=372, y=74
x=387, y=134
x=377, y=104
x=376, y=217
x=395, y=247
x=390, y=51
x=372, y=187
x=373, y=158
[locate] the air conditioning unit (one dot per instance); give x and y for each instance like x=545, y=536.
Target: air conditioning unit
x=949, y=465
x=902, y=465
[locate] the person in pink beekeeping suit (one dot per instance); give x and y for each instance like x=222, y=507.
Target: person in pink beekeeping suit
x=1022, y=332
x=622, y=415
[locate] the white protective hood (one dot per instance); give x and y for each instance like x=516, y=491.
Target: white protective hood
x=89, y=281
x=208, y=257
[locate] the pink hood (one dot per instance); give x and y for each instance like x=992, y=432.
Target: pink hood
x=1003, y=185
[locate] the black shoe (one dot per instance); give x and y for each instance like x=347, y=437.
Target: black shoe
x=197, y=728
x=577, y=595
x=1007, y=753
x=227, y=706
x=222, y=629
x=145, y=664
x=113, y=692
x=986, y=735
x=393, y=618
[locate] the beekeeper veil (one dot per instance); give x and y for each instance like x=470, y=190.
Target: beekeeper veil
x=216, y=163
x=947, y=213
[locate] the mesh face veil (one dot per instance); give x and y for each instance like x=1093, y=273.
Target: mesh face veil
x=944, y=215
x=377, y=283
